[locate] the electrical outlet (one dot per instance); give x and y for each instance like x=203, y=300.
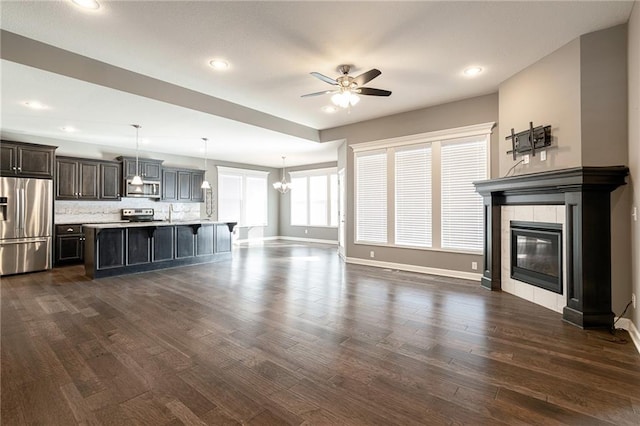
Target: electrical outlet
x=306, y=231
x=474, y=265
x=633, y=300
x=525, y=159
x=372, y=254
x=543, y=155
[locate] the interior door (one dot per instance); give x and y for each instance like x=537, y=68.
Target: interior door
x=341, y=213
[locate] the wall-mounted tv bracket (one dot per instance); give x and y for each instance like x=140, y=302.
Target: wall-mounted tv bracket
x=529, y=140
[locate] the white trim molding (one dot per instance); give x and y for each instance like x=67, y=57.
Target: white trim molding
x=413, y=268
x=482, y=129
x=630, y=327
x=310, y=240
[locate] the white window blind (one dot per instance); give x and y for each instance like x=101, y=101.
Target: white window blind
x=413, y=196
x=462, y=163
x=242, y=196
x=299, y=202
x=371, y=197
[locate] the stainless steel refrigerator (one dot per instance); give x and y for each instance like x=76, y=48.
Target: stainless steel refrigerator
x=26, y=224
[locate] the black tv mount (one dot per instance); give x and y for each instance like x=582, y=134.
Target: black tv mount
x=529, y=140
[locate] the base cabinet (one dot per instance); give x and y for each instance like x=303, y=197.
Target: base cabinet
x=118, y=251
x=69, y=245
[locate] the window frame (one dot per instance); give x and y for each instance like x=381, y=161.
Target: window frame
x=435, y=139
x=243, y=174
x=307, y=174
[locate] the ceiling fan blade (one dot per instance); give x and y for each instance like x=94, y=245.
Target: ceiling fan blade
x=366, y=77
x=324, y=78
x=324, y=92
x=373, y=92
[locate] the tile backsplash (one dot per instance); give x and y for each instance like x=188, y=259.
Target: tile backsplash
x=109, y=211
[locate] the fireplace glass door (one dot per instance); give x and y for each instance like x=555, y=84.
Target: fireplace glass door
x=536, y=254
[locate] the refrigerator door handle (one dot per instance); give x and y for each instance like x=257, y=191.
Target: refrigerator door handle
x=11, y=242
x=22, y=209
x=18, y=216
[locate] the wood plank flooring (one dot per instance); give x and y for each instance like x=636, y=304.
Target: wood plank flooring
x=287, y=334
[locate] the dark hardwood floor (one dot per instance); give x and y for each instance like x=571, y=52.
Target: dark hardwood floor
x=287, y=334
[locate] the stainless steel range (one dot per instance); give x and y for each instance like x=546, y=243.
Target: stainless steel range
x=137, y=215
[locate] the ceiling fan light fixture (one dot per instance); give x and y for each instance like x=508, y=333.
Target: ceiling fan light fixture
x=345, y=99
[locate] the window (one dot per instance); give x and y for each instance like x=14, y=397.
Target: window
x=242, y=196
x=413, y=196
x=314, y=198
x=462, y=163
x=371, y=197
x=432, y=202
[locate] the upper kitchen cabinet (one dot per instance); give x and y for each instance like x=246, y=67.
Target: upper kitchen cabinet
x=182, y=185
x=26, y=160
x=86, y=179
x=150, y=170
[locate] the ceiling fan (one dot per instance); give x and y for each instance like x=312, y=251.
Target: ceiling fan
x=347, y=88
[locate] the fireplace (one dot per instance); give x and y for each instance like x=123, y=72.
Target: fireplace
x=536, y=254
x=584, y=193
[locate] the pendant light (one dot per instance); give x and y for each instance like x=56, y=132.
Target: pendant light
x=205, y=182
x=283, y=186
x=137, y=180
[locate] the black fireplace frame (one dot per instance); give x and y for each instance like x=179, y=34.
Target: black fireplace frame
x=552, y=231
x=586, y=194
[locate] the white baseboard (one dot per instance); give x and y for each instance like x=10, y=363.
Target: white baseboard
x=413, y=268
x=306, y=240
x=627, y=324
x=309, y=240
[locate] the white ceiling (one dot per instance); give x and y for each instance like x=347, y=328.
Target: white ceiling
x=420, y=47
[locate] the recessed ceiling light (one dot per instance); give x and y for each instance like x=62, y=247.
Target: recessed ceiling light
x=35, y=105
x=87, y=4
x=472, y=71
x=329, y=109
x=219, y=64
x=68, y=129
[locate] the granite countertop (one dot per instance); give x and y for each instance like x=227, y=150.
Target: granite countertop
x=80, y=222
x=116, y=225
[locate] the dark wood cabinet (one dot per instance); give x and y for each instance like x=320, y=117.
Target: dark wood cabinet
x=182, y=185
x=26, y=160
x=86, y=179
x=126, y=249
x=163, y=243
x=184, y=241
x=149, y=169
x=111, y=253
x=139, y=245
x=205, y=240
x=169, y=184
x=197, y=193
x=69, y=246
x=110, y=178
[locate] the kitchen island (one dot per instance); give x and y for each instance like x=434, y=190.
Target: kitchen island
x=125, y=248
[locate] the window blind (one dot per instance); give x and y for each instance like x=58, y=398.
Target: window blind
x=371, y=197
x=256, y=201
x=318, y=200
x=462, y=163
x=229, y=198
x=413, y=196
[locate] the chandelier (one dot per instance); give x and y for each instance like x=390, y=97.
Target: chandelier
x=282, y=186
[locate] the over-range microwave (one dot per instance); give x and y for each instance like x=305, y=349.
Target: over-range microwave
x=148, y=189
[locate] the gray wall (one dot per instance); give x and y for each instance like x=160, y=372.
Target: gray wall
x=476, y=110
x=312, y=232
x=581, y=91
x=634, y=149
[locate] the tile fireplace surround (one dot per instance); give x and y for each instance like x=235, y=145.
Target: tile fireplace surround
x=585, y=194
